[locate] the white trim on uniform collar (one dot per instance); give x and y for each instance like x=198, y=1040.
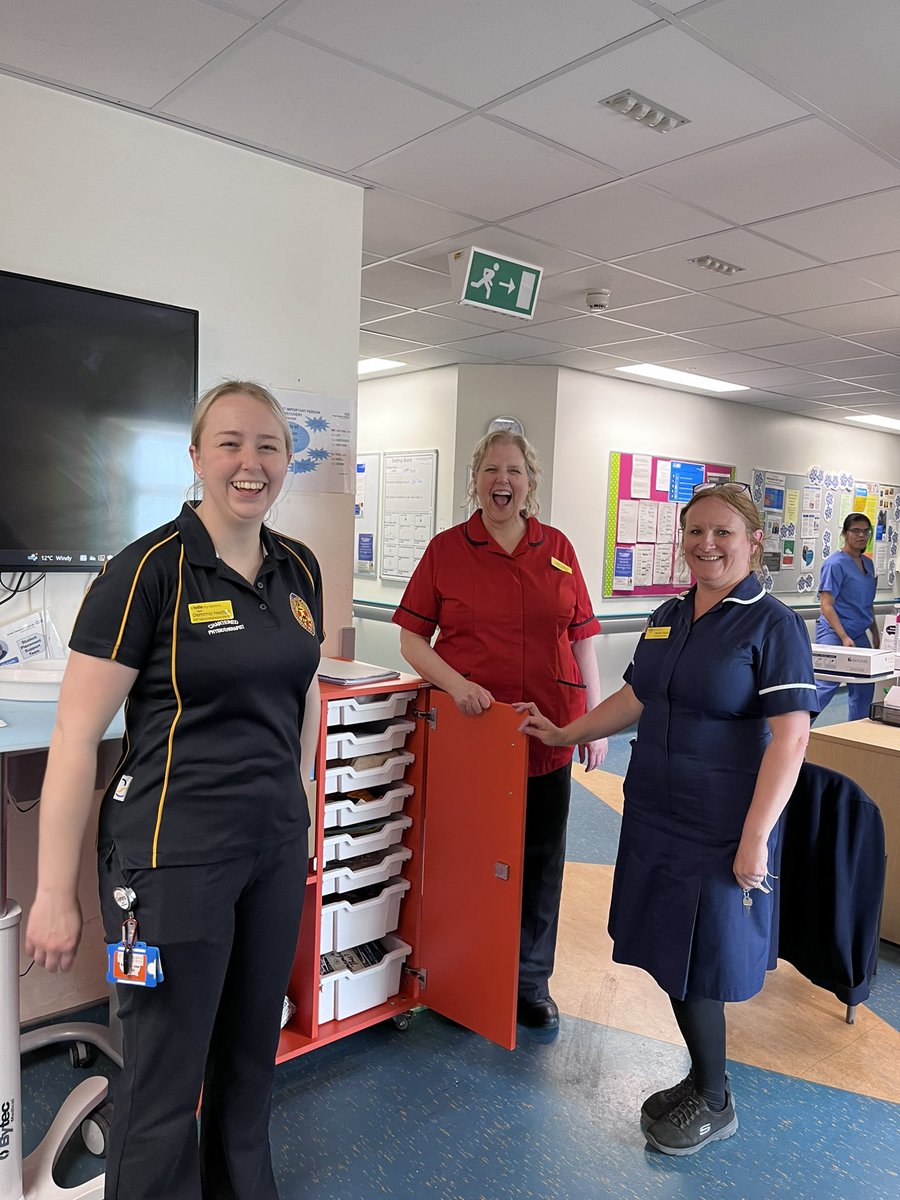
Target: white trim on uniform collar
x=752, y=600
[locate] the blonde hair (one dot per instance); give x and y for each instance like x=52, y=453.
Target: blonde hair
x=240, y=387
x=532, y=467
x=737, y=497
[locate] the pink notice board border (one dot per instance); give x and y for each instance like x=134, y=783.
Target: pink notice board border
x=668, y=481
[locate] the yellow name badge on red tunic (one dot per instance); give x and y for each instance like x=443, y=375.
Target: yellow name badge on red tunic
x=560, y=566
x=212, y=610
x=658, y=631
x=301, y=612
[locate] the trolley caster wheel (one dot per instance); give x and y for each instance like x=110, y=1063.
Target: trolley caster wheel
x=401, y=1022
x=95, y=1130
x=81, y=1054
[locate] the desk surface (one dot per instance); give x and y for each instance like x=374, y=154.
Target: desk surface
x=870, y=735
x=29, y=724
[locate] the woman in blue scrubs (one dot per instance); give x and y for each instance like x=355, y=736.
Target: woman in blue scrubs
x=847, y=596
x=721, y=687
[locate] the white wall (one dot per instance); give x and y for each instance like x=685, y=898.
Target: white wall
x=268, y=253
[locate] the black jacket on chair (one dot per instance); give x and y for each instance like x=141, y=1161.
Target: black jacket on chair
x=830, y=868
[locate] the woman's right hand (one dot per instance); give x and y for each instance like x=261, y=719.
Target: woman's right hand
x=847, y=641
x=536, y=725
x=54, y=931
x=470, y=698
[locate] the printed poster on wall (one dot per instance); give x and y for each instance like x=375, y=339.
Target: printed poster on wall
x=324, y=433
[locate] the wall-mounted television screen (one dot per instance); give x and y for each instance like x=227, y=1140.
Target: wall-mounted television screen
x=98, y=392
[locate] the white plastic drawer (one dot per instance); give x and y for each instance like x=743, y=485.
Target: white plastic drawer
x=345, y=993
x=346, y=778
x=345, y=923
x=355, y=710
x=344, y=743
x=347, y=811
x=341, y=846
x=345, y=877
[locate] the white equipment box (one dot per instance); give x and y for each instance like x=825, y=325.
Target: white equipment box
x=851, y=660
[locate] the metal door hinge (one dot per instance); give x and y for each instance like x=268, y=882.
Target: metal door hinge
x=427, y=714
x=420, y=973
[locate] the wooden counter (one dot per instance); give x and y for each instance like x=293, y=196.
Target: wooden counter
x=869, y=753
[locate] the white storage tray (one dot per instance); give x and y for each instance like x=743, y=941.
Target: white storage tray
x=355, y=710
x=347, y=811
x=341, y=846
x=344, y=993
x=345, y=877
x=345, y=778
x=345, y=924
x=344, y=743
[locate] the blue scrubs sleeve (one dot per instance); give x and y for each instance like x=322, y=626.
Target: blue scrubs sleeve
x=785, y=679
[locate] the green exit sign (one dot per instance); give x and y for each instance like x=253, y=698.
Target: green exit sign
x=486, y=280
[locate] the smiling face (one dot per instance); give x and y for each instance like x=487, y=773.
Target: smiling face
x=717, y=546
x=501, y=483
x=242, y=458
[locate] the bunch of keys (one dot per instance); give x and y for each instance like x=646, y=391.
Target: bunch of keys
x=763, y=886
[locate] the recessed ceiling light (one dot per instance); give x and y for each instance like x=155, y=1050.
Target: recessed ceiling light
x=685, y=378
x=881, y=422
x=716, y=264
x=646, y=112
x=368, y=365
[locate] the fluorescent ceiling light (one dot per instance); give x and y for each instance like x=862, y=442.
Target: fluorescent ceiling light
x=881, y=422
x=685, y=378
x=368, y=365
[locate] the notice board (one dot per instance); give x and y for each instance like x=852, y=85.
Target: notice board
x=646, y=494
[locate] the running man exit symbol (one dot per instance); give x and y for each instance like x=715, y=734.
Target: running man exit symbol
x=486, y=280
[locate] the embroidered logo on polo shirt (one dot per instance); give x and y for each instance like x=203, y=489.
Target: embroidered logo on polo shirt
x=122, y=787
x=211, y=610
x=301, y=612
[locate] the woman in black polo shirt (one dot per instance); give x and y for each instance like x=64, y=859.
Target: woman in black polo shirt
x=209, y=628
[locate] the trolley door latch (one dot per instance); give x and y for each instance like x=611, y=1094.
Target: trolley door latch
x=420, y=973
x=426, y=714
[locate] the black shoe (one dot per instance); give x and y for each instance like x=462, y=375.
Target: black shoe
x=656, y=1106
x=691, y=1124
x=538, y=1014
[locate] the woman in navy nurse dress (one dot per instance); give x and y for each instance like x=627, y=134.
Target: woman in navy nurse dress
x=722, y=687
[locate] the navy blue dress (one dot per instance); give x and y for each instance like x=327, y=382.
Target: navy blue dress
x=707, y=689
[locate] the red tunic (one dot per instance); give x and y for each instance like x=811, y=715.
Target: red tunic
x=507, y=621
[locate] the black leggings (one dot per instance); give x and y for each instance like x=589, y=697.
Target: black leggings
x=702, y=1025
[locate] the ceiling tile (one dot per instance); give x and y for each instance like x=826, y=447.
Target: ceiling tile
x=816, y=48
x=816, y=350
x=747, y=335
x=879, y=268
x=891, y=410
x=522, y=172
x=667, y=349
x=577, y=331
x=469, y=50
x=427, y=328
x=683, y=313
x=791, y=293
x=612, y=221
x=543, y=312
x=374, y=345
x=253, y=8
x=883, y=339
x=776, y=172
x=393, y=224
x=822, y=388
x=775, y=377
x=442, y=356
x=857, y=228
x=501, y=241
x=884, y=383
x=579, y=360
x=718, y=366
x=850, y=319
x=859, y=369
x=758, y=258
x=667, y=66
x=626, y=288
x=509, y=346
x=284, y=103
x=790, y=404
x=398, y=283
x=375, y=310
x=144, y=51
x=368, y=259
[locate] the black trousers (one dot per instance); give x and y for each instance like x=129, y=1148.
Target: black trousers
x=227, y=934
x=546, y=816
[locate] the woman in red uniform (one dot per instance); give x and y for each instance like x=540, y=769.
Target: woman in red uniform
x=516, y=622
